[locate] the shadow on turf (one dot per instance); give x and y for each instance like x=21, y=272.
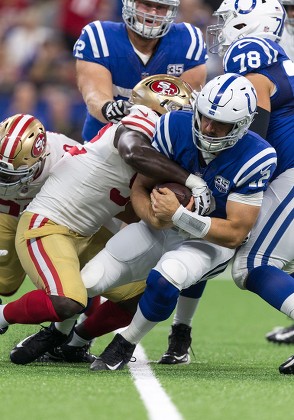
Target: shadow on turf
x=203, y=371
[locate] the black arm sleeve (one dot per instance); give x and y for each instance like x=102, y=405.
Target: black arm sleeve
x=261, y=122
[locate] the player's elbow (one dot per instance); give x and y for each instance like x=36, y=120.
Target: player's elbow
x=130, y=157
x=133, y=157
x=236, y=240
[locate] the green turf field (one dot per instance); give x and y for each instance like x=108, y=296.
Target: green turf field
x=234, y=373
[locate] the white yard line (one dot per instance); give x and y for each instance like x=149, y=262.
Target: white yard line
x=158, y=404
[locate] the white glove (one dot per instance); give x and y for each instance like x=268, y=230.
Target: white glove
x=114, y=111
x=204, y=201
x=3, y=252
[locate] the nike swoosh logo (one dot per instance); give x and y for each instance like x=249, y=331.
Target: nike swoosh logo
x=145, y=114
x=20, y=344
x=290, y=363
x=115, y=367
x=243, y=45
x=180, y=357
x=281, y=336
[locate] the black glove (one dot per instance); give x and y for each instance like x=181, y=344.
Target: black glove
x=114, y=111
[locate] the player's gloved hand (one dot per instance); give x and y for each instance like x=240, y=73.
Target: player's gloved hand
x=114, y=111
x=204, y=201
x=3, y=252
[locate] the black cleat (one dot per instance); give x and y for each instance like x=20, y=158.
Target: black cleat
x=71, y=354
x=179, y=342
x=3, y=329
x=281, y=335
x=116, y=355
x=34, y=346
x=287, y=368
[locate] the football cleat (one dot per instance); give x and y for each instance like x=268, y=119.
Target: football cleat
x=287, y=367
x=34, y=346
x=2, y=329
x=281, y=335
x=116, y=355
x=179, y=342
x=70, y=354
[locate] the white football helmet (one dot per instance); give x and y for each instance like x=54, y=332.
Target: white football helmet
x=289, y=22
x=22, y=151
x=229, y=98
x=162, y=93
x=240, y=18
x=149, y=25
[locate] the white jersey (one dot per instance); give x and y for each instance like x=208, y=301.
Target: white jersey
x=57, y=145
x=91, y=184
x=287, y=43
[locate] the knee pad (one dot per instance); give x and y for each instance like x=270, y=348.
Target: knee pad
x=91, y=274
x=159, y=299
x=174, y=271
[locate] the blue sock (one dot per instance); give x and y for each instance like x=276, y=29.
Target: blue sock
x=195, y=291
x=159, y=298
x=271, y=284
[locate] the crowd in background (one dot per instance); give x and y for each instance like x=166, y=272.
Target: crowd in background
x=37, y=68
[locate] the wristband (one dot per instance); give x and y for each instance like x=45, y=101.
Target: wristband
x=197, y=226
x=195, y=181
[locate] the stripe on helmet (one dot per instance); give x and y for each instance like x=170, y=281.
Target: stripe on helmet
x=17, y=129
x=221, y=91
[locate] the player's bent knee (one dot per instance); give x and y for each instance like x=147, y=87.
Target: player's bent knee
x=174, y=271
x=159, y=299
x=91, y=275
x=65, y=307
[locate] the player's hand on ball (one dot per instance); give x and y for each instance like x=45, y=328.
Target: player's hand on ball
x=164, y=203
x=204, y=201
x=114, y=111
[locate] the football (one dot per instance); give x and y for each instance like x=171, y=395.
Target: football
x=182, y=193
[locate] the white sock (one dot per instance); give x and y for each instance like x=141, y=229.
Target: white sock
x=185, y=310
x=288, y=306
x=66, y=326
x=3, y=322
x=138, y=328
x=77, y=341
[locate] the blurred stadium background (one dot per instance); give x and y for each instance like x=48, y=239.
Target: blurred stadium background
x=37, y=69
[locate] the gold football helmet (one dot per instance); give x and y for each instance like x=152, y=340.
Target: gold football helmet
x=162, y=93
x=22, y=151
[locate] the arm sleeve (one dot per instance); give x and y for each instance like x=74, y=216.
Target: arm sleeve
x=261, y=122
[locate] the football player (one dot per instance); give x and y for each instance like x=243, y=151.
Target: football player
x=89, y=186
x=285, y=335
x=112, y=57
x=179, y=246
x=27, y=155
x=287, y=40
x=248, y=36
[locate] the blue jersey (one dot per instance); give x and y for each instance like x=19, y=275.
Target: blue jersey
x=245, y=168
x=108, y=44
x=263, y=56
